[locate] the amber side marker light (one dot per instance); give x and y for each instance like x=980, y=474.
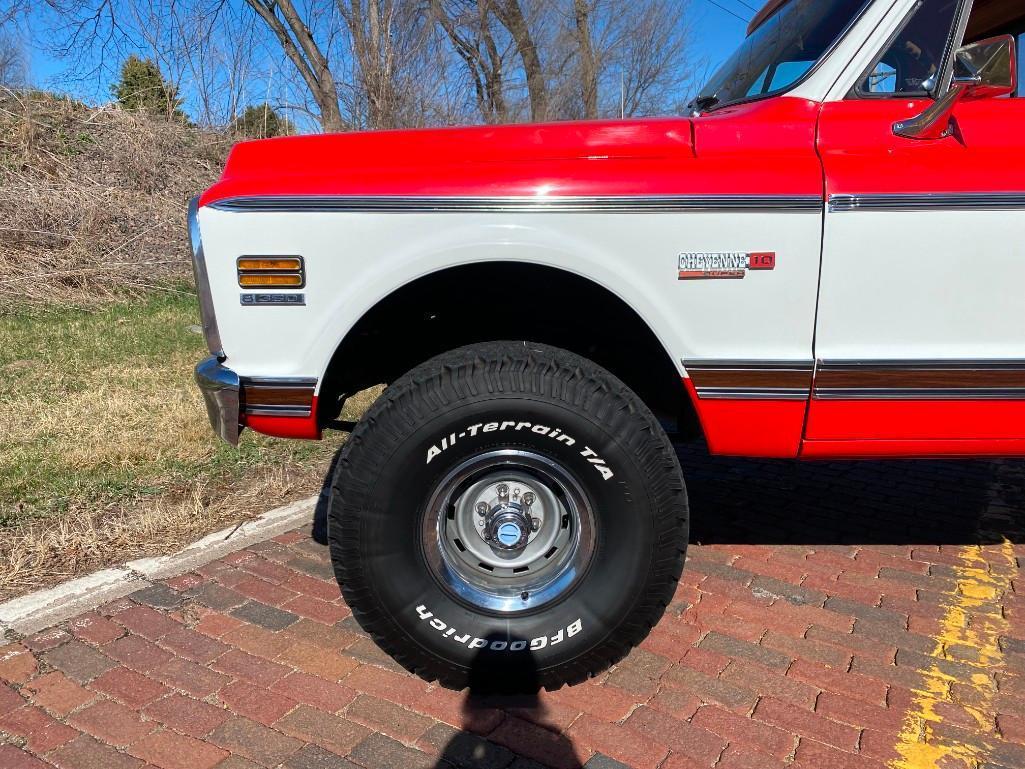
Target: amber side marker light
x=271, y=272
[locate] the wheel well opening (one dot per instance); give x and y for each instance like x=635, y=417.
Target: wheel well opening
x=506, y=300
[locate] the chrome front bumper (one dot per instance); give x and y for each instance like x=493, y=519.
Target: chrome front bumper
x=220, y=386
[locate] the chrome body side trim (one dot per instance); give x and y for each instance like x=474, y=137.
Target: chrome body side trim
x=208, y=317
x=277, y=411
x=220, y=386
x=981, y=201
x=747, y=365
x=923, y=394
x=762, y=394
x=284, y=381
x=924, y=364
x=520, y=204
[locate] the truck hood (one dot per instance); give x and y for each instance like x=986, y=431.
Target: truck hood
x=761, y=148
x=575, y=158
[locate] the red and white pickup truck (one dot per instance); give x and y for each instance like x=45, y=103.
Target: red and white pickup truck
x=826, y=258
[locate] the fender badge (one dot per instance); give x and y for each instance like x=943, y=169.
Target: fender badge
x=714, y=265
x=288, y=300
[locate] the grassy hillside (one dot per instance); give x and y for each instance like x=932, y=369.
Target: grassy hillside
x=94, y=200
x=105, y=449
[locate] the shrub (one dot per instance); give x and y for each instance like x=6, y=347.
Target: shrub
x=262, y=121
x=142, y=87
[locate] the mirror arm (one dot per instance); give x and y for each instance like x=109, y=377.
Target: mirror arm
x=934, y=123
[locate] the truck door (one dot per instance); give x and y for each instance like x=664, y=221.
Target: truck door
x=920, y=333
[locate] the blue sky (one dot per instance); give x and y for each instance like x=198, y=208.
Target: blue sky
x=719, y=26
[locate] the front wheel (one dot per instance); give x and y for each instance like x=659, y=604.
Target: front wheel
x=508, y=515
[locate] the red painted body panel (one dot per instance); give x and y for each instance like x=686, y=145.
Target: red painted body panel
x=910, y=420
x=951, y=449
x=861, y=155
x=761, y=148
x=750, y=428
x=286, y=427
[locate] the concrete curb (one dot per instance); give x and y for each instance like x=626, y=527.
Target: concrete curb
x=33, y=612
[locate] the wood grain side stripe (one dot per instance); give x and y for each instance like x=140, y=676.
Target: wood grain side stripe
x=888, y=379
x=278, y=399
x=768, y=380
x=927, y=380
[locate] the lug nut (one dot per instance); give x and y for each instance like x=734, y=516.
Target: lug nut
x=503, y=491
x=482, y=509
x=535, y=524
x=528, y=498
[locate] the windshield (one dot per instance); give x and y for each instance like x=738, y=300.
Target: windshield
x=780, y=51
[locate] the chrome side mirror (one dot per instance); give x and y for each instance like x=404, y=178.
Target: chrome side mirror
x=983, y=70
x=987, y=69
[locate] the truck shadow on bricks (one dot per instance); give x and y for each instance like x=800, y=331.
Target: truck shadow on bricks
x=900, y=502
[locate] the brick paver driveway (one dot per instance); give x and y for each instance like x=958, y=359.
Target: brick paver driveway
x=831, y=615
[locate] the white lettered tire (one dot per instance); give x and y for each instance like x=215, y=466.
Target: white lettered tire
x=505, y=507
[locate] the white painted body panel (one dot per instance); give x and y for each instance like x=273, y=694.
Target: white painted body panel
x=922, y=284
x=353, y=260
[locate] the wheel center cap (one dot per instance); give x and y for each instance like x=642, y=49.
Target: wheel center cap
x=507, y=527
x=509, y=534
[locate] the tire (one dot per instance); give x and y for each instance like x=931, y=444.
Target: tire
x=418, y=488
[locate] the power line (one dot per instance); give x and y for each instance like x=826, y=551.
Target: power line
x=734, y=14
x=747, y=5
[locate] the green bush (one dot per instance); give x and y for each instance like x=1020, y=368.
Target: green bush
x=262, y=121
x=142, y=87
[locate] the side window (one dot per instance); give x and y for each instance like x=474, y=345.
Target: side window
x=779, y=76
x=915, y=55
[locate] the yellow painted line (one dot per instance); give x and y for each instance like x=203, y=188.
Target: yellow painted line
x=918, y=746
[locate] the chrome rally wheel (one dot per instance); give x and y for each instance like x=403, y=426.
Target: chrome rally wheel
x=507, y=531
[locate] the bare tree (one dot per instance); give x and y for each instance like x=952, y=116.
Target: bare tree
x=651, y=56
x=395, y=63
x=306, y=55
x=215, y=47
x=621, y=57
x=510, y=13
x=574, y=58
x=582, y=10
x=468, y=26
x=372, y=33
x=12, y=61
x=12, y=10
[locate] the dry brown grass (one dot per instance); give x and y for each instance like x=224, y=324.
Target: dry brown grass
x=41, y=552
x=113, y=416
x=94, y=200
